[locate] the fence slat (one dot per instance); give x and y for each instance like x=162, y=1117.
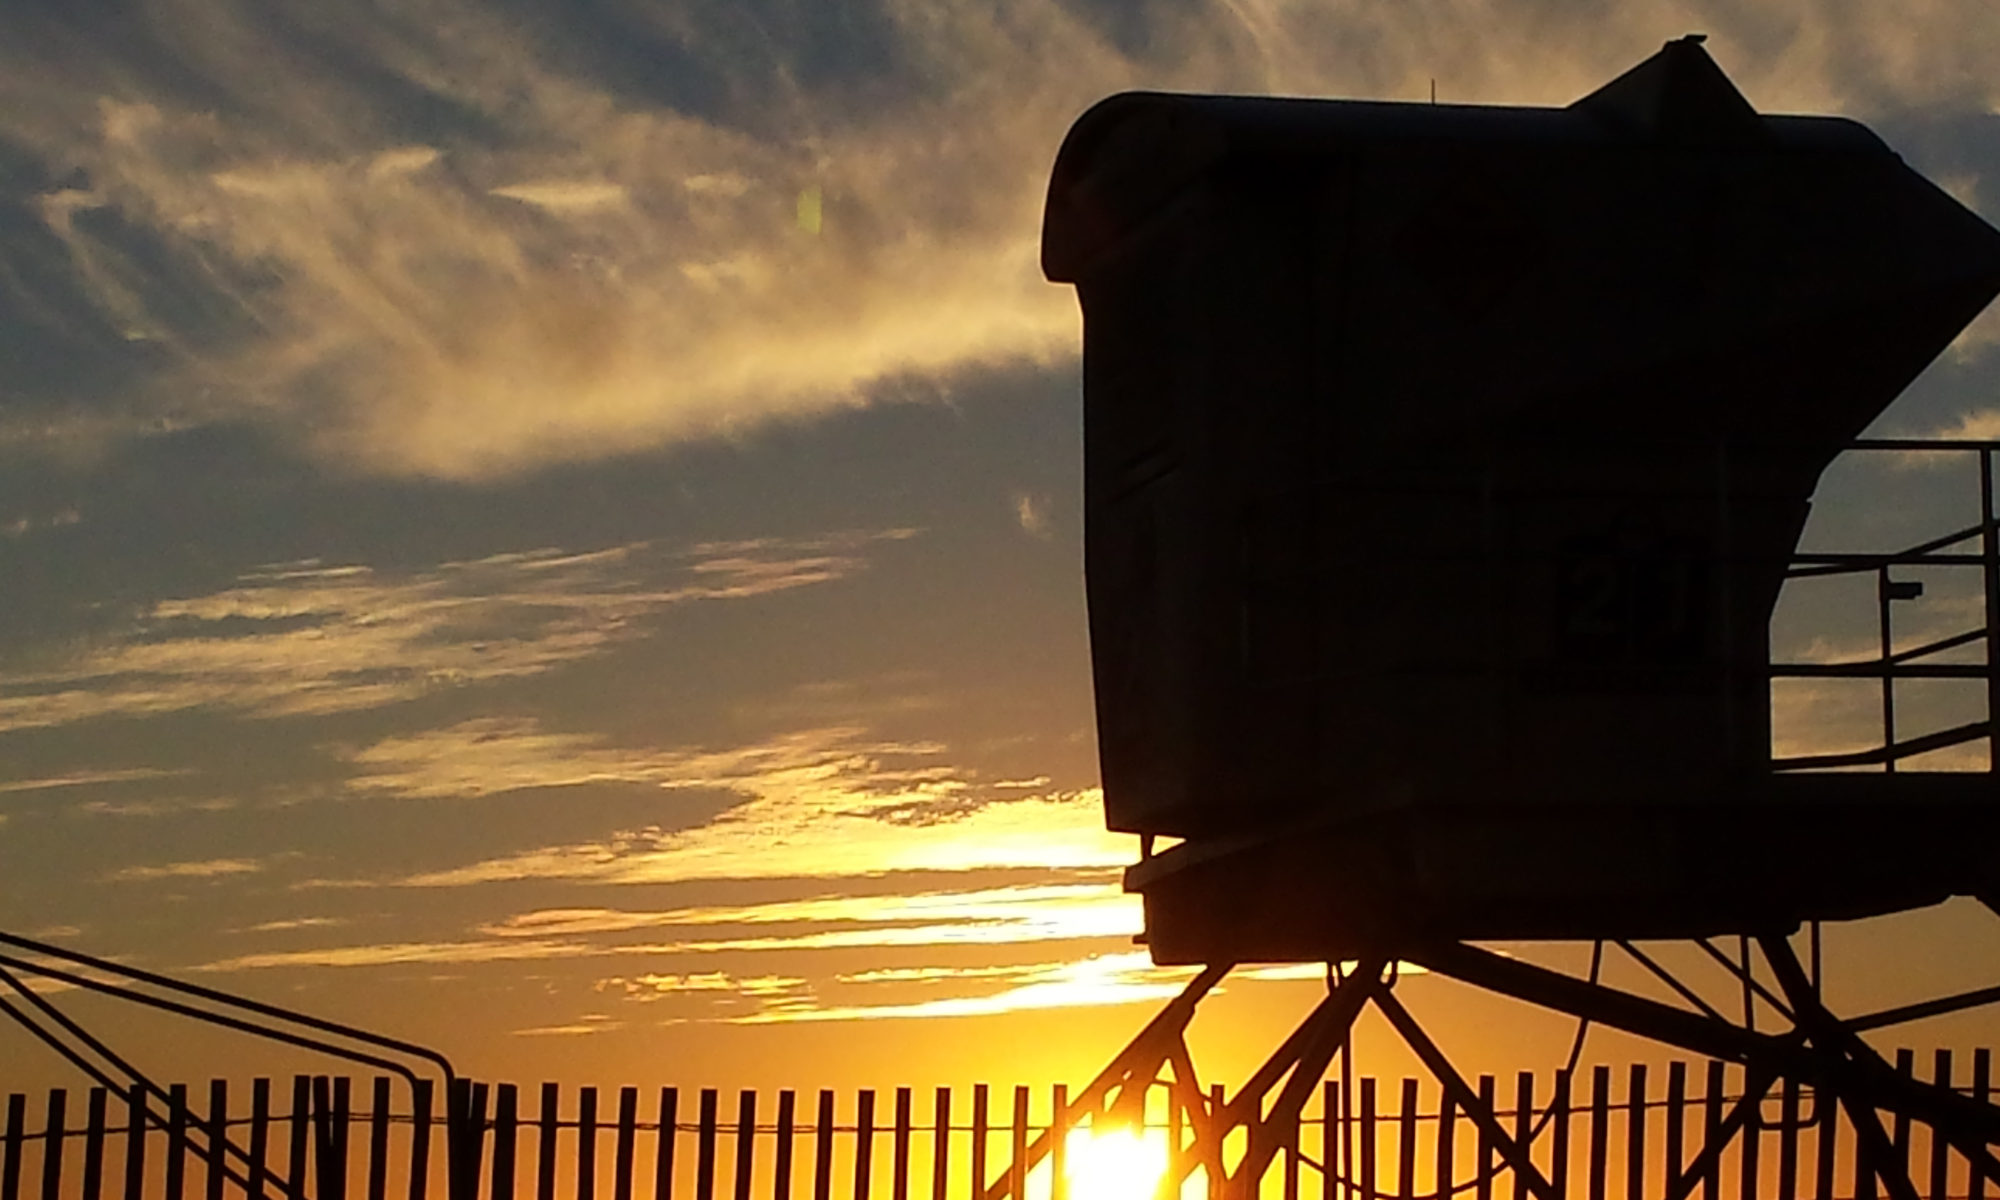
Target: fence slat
x=1748, y=1159
x=704, y=1148
x=1673, y=1150
x=1406, y=1140
x=135, y=1143
x=823, y=1147
x=864, y=1143
x=1788, y=1141
x=1329, y=1140
x=506, y=1134
x=379, y=1101
x=547, y=1130
x=1289, y=1178
x=177, y=1141
x=421, y=1097
x=295, y=1148
x=1826, y=1140
x=940, y=1142
x=979, y=1134
x=1635, y=1132
x=1982, y=1070
x=333, y=1108
x=93, y=1143
x=55, y=1134
x=1017, y=1165
x=781, y=1161
x=625, y=1149
x=1899, y=1137
x=586, y=1143
x=663, y=1149
x=471, y=1144
x=1524, y=1123
x=15, y=1141
x=217, y=1131
x=1366, y=1136
x=1489, y=1090
x=260, y=1137
x=1058, y=1147
x=1600, y=1129
x=1940, y=1162
x=1711, y=1124
x=1447, y=1145
x=1559, y=1115
x=746, y=1141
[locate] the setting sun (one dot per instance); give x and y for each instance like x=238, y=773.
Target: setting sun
x=1115, y=1164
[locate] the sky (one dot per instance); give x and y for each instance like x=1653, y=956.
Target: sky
x=553, y=529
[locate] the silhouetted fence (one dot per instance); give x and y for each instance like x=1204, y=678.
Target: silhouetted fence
x=1626, y=1134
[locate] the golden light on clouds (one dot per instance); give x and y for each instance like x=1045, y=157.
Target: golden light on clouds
x=309, y=638
x=610, y=273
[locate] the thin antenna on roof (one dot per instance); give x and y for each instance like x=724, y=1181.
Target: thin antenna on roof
x=1434, y=89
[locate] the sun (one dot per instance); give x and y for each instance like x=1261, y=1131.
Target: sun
x=1115, y=1164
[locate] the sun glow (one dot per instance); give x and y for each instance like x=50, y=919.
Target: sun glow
x=1115, y=1164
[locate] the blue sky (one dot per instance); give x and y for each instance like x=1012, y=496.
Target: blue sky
x=574, y=508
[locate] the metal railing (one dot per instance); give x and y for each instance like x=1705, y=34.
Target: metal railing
x=1916, y=662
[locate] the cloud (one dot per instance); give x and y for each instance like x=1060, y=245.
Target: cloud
x=1025, y=913
x=306, y=638
x=1098, y=980
x=86, y=778
x=984, y=917
x=817, y=803
x=285, y=926
x=208, y=868
x=387, y=954
x=558, y=267
x=1031, y=511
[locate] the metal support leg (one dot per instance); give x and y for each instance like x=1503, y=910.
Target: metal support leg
x=1137, y=1066
x=1324, y=1034
x=1866, y=1084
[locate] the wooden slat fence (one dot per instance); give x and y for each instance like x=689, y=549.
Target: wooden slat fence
x=1613, y=1134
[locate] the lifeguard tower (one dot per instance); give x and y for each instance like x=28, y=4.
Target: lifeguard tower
x=1442, y=468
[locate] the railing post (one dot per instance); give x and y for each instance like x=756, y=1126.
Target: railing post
x=1882, y=601
x=1989, y=555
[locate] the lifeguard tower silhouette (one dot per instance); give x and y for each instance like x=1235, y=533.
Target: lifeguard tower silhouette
x=1442, y=468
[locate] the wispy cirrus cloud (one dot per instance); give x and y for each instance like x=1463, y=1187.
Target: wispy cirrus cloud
x=310, y=639
x=206, y=868
x=1128, y=978
x=816, y=803
x=1023, y=914
x=440, y=241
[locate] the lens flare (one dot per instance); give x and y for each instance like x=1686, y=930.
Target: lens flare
x=1115, y=1164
